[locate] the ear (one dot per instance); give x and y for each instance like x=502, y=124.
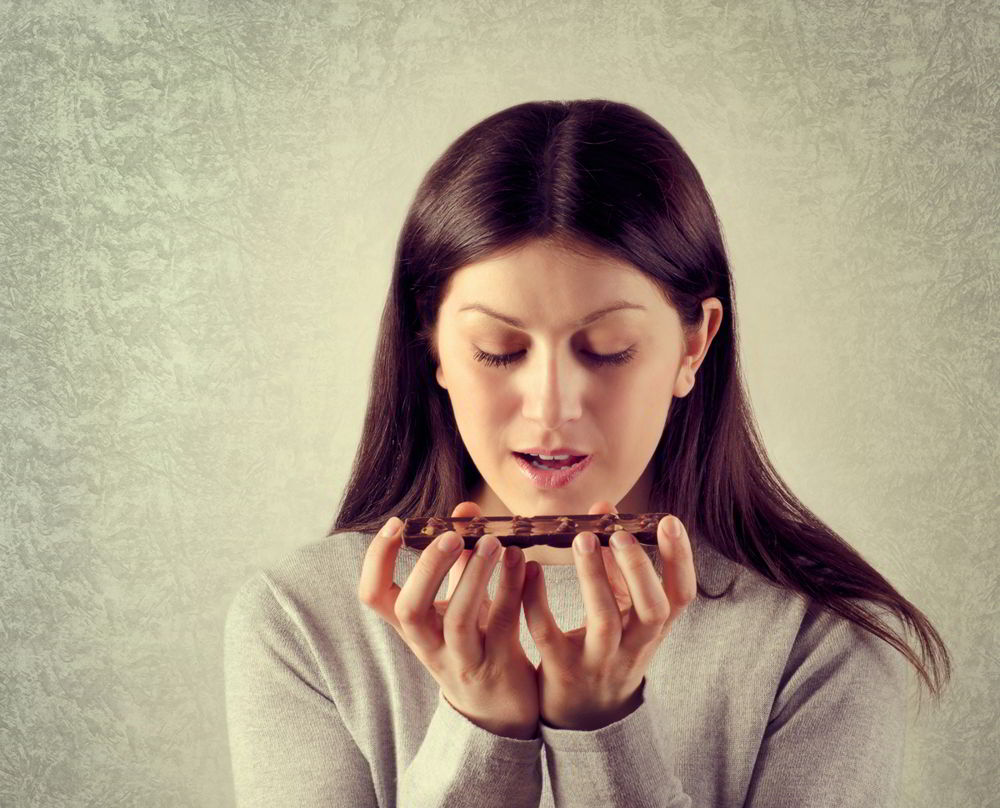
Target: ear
x=698, y=342
x=439, y=375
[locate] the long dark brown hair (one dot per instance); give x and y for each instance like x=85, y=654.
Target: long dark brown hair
x=607, y=177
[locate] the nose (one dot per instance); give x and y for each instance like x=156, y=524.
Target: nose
x=554, y=385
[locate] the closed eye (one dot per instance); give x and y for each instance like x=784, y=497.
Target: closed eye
x=495, y=360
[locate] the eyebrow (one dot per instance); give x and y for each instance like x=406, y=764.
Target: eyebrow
x=594, y=315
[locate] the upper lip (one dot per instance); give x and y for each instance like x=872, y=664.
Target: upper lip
x=559, y=450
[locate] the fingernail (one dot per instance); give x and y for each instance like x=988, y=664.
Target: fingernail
x=511, y=557
x=622, y=540
x=585, y=543
x=487, y=546
x=674, y=527
x=390, y=527
x=449, y=542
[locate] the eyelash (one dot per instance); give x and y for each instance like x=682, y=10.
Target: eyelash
x=495, y=360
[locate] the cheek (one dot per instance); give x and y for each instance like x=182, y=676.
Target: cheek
x=632, y=398
x=467, y=384
x=477, y=399
x=636, y=412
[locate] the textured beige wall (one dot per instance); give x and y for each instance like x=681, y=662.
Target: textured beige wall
x=198, y=210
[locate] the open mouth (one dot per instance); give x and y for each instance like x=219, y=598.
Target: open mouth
x=551, y=474
x=551, y=465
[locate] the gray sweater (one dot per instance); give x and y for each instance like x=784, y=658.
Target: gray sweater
x=752, y=700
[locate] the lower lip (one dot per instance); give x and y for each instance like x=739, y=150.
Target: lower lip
x=552, y=478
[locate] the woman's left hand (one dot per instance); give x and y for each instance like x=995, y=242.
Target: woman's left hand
x=592, y=676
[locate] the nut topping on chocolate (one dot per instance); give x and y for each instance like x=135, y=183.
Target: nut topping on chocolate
x=526, y=531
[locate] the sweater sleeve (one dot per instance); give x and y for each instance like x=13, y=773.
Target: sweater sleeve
x=836, y=733
x=288, y=743
x=834, y=737
x=623, y=764
x=460, y=763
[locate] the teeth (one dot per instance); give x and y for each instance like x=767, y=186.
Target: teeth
x=553, y=457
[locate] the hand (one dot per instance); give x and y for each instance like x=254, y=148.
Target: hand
x=469, y=644
x=593, y=676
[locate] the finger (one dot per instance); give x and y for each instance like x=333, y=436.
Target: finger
x=504, y=621
x=414, y=609
x=604, y=621
x=376, y=587
x=618, y=585
x=679, y=580
x=542, y=626
x=650, y=608
x=463, y=509
x=462, y=618
x=466, y=509
x=602, y=506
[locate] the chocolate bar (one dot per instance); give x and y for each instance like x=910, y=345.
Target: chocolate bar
x=525, y=531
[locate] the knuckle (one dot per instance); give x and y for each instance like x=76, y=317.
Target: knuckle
x=543, y=639
x=508, y=589
x=457, y=621
x=503, y=617
x=469, y=677
x=543, y=635
x=405, y=611
x=658, y=616
x=635, y=561
x=603, y=624
x=372, y=595
x=687, y=594
x=426, y=572
x=659, y=613
x=366, y=594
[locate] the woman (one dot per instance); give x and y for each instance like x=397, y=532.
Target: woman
x=561, y=287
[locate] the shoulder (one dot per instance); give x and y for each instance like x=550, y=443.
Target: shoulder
x=300, y=614
x=787, y=634
x=752, y=603
x=314, y=580
x=331, y=564
x=737, y=644
x=834, y=663
x=827, y=641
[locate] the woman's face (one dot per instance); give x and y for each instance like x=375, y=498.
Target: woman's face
x=554, y=392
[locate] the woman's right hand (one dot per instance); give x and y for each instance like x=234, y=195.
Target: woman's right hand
x=479, y=664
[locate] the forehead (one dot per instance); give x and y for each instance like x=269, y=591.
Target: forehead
x=541, y=273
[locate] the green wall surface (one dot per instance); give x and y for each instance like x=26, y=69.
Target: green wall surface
x=199, y=206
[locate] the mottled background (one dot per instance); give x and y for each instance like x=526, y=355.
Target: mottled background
x=199, y=204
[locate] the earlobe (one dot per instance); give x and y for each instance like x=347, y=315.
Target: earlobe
x=684, y=382
x=440, y=378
